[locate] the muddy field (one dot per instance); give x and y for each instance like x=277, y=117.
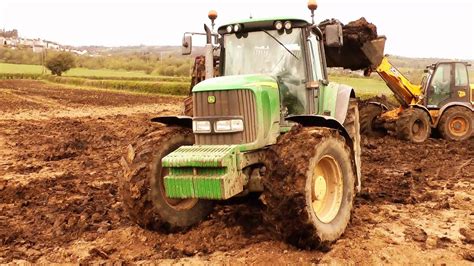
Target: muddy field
x=59, y=158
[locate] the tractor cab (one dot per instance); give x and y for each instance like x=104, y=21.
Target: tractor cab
x=288, y=50
x=446, y=82
x=285, y=49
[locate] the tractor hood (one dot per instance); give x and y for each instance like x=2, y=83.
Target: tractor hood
x=236, y=83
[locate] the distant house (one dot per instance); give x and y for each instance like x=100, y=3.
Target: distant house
x=38, y=49
x=11, y=42
x=83, y=52
x=38, y=46
x=52, y=45
x=28, y=42
x=38, y=42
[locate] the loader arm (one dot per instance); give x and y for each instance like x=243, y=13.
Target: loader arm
x=406, y=92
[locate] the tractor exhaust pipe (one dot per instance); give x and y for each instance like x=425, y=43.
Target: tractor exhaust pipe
x=209, y=53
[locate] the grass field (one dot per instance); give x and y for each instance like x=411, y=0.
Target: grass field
x=80, y=72
x=16, y=68
x=364, y=87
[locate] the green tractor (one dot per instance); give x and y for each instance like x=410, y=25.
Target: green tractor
x=271, y=123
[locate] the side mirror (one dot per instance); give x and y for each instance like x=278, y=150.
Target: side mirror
x=187, y=45
x=333, y=34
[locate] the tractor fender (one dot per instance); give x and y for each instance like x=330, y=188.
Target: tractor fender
x=180, y=121
x=452, y=104
x=344, y=94
x=422, y=107
x=328, y=122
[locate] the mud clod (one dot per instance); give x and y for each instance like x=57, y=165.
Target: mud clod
x=416, y=234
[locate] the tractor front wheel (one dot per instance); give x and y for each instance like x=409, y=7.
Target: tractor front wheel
x=142, y=188
x=456, y=123
x=309, y=195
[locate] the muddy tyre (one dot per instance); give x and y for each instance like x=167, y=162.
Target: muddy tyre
x=413, y=125
x=188, y=106
x=141, y=186
x=352, y=125
x=456, y=123
x=368, y=115
x=310, y=190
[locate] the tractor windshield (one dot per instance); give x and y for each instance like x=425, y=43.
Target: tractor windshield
x=273, y=53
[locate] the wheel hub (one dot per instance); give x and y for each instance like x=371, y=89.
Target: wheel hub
x=327, y=188
x=416, y=127
x=458, y=126
x=419, y=130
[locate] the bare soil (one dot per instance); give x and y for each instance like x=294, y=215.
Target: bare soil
x=59, y=159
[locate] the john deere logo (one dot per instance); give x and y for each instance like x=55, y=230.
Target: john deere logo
x=211, y=99
x=461, y=94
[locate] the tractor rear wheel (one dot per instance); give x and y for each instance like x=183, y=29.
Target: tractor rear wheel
x=368, y=115
x=142, y=188
x=456, y=123
x=310, y=190
x=188, y=106
x=352, y=125
x=413, y=125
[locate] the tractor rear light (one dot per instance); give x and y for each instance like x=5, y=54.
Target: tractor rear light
x=201, y=127
x=234, y=125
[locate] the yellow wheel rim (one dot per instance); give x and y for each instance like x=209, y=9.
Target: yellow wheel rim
x=458, y=126
x=327, y=188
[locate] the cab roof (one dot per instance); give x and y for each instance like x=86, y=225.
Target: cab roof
x=253, y=24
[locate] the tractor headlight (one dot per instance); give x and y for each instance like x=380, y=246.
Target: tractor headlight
x=288, y=25
x=233, y=125
x=278, y=25
x=201, y=126
x=237, y=27
x=229, y=29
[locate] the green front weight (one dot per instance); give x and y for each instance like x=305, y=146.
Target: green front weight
x=203, y=171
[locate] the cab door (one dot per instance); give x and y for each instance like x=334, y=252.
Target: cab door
x=460, y=90
x=440, y=88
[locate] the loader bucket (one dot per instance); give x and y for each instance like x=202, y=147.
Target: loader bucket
x=362, y=48
x=373, y=50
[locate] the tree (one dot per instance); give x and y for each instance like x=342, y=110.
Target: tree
x=60, y=63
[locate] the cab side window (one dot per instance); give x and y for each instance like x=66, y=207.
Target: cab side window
x=316, y=62
x=460, y=76
x=440, y=87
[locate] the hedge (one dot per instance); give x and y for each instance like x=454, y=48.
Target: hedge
x=19, y=76
x=151, y=78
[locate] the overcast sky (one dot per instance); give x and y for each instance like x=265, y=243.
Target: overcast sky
x=416, y=28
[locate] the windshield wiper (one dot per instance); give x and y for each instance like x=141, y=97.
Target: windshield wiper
x=278, y=41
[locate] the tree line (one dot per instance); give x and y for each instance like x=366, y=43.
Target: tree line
x=168, y=65
x=9, y=33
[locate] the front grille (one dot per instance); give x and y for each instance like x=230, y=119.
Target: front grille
x=227, y=103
